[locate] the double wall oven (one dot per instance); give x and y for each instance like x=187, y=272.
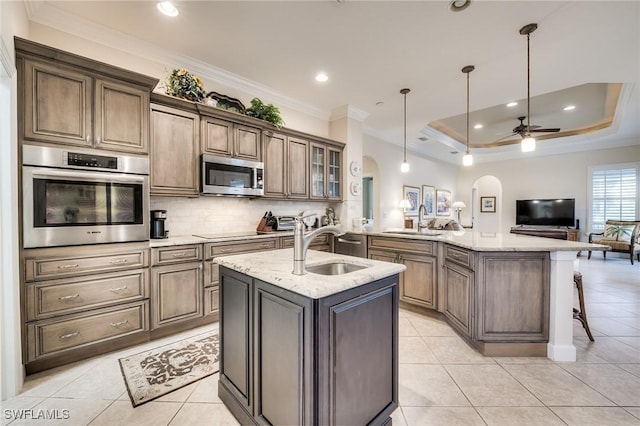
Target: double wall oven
x=80, y=196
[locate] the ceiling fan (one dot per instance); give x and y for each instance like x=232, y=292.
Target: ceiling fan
x=522, y=129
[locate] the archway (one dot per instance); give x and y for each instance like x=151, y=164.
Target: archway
x=371, y=190
x=487, y=204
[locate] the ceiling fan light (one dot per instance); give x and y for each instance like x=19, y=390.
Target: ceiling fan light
x=404, y=167
x=467, y=159
x=528, y=144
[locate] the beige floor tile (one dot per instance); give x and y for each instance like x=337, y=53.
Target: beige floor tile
x=17, y=407
x=428, y=385
x=65, y=411
x=103, y=381
x=631, y=368
x=490, y=385
x=631, y=341
x=397, y=418
x=613, y=382
x=414, y=350
x=203, y=414
x=442, y=416
x=555, y=386
x=405, y=328
x=595, y=416
x=122, y=413
x=522, y=360
x=519, y=416
x=453, y=350
x=206, y=390
x=612, y=327
x=178, y=395
x=49, y=382
x=634, y=411
x=610, y=350
x=427, y=326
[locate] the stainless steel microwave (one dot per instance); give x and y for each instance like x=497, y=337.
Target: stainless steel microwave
x=231, y=176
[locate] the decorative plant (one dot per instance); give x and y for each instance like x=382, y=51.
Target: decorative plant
x=182, y=84
x=264, y=112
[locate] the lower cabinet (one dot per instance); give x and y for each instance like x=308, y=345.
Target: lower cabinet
x=291, y=360
x=176, y=292
x=459, y=290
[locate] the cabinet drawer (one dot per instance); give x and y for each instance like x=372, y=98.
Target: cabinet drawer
x=458, y=255
x=320, y=242
x=404, y=244
x=44, y=268
x=64, y=296
x=211, y=300
x=173, y=254
x=223, y=249
x=50, y=337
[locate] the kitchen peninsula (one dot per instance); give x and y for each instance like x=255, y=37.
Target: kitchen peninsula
x=318, y=348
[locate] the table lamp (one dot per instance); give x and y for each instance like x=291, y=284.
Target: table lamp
x=404, y=205
x=459, y=205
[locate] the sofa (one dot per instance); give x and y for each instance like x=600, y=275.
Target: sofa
x=623, y=236
x=444, y=224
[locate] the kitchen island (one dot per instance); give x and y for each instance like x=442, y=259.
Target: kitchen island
x=319, y=348
x=507, y=294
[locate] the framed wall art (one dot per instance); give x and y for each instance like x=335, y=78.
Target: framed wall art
x=429, y=198
x=443, y=202
x=487, y=204
x=411, y=194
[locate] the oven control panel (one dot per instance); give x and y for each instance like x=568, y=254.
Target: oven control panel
x=90, y=160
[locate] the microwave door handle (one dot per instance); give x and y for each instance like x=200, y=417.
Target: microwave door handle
x=91, y=176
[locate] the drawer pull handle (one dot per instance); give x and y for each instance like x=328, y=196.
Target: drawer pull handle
x=180, y=254
x=70, y=297
x=118, y=261
x=69, y=335
x=118, y=324
x=225, y=250
x=118, y=289
x=69, y=266
x=265, y=246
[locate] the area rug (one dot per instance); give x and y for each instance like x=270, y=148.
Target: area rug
x=151, y=374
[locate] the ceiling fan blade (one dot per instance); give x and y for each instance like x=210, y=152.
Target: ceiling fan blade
x=505, y=137
x=551, y=130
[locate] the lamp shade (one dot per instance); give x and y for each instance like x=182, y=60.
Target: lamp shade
x=459, y=205
x=404, y=204
x=528, y=144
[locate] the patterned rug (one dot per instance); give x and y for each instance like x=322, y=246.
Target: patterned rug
x=156, y=372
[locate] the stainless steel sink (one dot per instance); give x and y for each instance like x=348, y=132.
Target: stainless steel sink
x=335, y=268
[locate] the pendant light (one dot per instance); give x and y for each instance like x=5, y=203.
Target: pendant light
x=467, y=159
x=528, y=143
x=404, y=168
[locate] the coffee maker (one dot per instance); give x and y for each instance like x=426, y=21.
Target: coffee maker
x=157, y=224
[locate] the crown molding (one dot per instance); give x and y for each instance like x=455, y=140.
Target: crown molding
x=49, y=15
x=348, y=111
x=8, y=68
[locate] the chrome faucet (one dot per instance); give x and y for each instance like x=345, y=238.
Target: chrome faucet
x=301, y=242
x=422, y=210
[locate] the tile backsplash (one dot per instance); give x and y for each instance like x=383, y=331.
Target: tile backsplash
x=211, y=215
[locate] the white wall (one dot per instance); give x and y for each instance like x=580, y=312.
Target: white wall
x=558, y=176
x=12, y=22
x=389, y=182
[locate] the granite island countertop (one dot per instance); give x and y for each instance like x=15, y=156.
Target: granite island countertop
x=275, y=266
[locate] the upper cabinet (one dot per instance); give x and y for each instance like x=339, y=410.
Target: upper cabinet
x=72, y=100
x=225, y=138
x=326, y=169
x=286, y=167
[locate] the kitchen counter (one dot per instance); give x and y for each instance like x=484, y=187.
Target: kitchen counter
x=215, y=238
x=274, y=267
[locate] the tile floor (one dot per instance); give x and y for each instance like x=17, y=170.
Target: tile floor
x=442, y=380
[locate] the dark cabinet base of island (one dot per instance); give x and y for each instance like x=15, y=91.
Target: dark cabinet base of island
x=288, y=359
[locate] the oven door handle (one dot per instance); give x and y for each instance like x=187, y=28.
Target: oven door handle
x=90, y=176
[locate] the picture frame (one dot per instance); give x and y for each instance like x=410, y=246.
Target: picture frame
x=488, y=204
x=429, y=199
x=443, y=202
x=412, y=194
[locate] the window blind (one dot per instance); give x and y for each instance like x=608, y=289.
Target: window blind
x=614, y=194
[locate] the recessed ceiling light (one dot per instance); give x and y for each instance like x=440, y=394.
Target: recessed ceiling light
x=478, y=126
x=512, y=104
x=569, y=108
x=459, y=5
x=322, y=77
x=379, y=103
x=167, y=8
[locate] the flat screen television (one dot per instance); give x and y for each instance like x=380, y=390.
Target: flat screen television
x=551, y=212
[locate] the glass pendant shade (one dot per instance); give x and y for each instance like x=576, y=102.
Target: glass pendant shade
x=467, y=159
x=404, y=167
x=528, y=144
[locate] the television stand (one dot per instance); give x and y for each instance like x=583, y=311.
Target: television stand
x=557, y=233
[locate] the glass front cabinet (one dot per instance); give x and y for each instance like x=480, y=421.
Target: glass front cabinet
x=326, y=169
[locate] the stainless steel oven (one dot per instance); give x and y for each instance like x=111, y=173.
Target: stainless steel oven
x=79, y=196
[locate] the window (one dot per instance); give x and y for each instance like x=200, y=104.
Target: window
x=613, y=193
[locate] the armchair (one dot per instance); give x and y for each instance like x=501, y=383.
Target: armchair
x=622, y=236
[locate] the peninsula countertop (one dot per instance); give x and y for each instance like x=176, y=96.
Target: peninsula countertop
x=276, y=266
